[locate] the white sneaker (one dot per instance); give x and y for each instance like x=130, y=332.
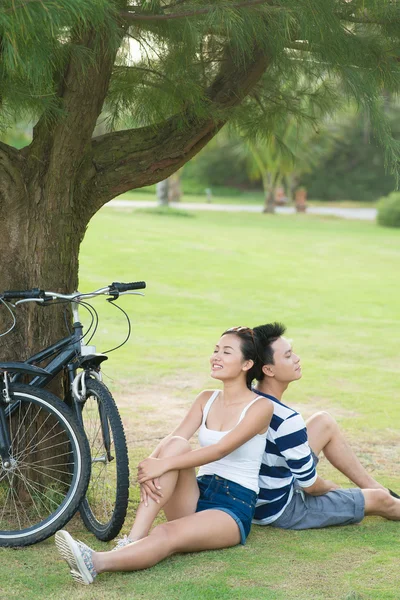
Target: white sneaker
x=78, y=556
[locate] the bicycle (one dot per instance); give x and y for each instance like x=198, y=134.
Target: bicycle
x=38, y=495
x=104, y=508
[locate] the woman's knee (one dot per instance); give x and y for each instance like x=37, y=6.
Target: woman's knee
x=175, y=445
x=166, y=536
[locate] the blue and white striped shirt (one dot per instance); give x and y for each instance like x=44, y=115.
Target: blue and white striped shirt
x=287, y=460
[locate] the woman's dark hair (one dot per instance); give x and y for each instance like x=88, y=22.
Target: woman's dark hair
x=250, y=349
x=266, y=335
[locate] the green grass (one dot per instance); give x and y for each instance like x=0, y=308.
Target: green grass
x=335, y=284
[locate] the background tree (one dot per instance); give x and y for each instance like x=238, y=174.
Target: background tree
x=65, y=64
x=352, y=166
x=282, y=157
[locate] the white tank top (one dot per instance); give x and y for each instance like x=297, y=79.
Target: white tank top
x=243, y=464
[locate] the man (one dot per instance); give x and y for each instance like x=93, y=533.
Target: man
x=292, y=494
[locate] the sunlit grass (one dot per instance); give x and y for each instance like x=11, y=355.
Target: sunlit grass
x=336, y=286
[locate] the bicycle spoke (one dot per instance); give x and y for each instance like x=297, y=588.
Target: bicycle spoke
x=38, y=497
x=40, y=479
x=48, y=477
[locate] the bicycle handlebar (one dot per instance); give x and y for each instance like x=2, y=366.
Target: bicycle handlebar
x=25, y=294
x=124, y=287
x=115, y=289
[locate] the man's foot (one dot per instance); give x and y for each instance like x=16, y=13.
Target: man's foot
x=392, y=493
x=78, y=557
x=125, y=541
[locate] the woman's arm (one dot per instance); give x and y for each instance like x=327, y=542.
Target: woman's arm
x=190, y=423
x=185, y=429
x=257, y=419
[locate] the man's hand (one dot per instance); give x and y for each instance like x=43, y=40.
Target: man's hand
x=321, y=486
x=150, y=489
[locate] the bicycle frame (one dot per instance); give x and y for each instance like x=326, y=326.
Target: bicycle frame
x=69, y=353
x=68, y=350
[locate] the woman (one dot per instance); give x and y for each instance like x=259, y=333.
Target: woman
x=214, y=510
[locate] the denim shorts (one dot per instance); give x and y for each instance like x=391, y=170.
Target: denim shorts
x=237, y=501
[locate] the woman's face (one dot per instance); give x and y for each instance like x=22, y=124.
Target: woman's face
x=227, y=360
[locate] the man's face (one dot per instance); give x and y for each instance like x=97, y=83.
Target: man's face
x=286, y=367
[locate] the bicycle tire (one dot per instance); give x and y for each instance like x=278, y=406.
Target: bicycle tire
x=50, y=467
x=104, y=508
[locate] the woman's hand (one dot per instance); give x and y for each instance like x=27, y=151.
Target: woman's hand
x=151, y=468
x=150, y=489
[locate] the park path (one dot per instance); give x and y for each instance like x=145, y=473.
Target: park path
x=364, y=214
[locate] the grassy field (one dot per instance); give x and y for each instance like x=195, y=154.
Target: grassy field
x=335, y=284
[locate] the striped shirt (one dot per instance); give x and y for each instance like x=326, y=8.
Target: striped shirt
x=287, y=461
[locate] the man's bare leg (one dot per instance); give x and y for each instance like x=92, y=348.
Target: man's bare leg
x=382, y=504
x=324, y=435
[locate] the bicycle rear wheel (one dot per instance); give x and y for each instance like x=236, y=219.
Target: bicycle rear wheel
x=48, y=470
x=104, y=508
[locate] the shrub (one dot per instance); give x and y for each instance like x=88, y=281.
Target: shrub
x=389, y=210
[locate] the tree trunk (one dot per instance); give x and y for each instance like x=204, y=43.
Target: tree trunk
x=162, y=192
x=174, y=187
x=40, y=248
x=269, y=194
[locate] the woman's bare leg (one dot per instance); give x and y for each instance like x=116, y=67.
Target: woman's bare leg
x=180, y=492
x=207, y=530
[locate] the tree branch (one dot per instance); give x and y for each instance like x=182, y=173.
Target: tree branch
x=363, y=19
x=22, y=5
x=300, y=45
x=129, y=159
x=59, y=148
x=130, y=16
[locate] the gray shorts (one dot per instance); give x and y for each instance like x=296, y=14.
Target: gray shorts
x=339, y=507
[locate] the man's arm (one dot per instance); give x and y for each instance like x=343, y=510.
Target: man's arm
x=320, y=487
x=292, y=441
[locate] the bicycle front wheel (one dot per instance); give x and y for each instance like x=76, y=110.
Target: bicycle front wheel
x=43, y=482
x=104, y=509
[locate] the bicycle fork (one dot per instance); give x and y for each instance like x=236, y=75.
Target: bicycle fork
x=78, y=388
x=5, y=441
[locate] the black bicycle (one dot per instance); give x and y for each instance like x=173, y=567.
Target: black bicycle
x=104, y=507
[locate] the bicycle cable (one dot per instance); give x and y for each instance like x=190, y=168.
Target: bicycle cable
x=95, y=320
x=111, y=301
x=13, y=317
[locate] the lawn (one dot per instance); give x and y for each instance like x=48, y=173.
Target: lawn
x=335, y=284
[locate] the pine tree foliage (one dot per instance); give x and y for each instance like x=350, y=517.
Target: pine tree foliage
x=175, y=55
x=36, y=45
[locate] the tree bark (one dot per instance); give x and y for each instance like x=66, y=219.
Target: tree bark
x=39, y=248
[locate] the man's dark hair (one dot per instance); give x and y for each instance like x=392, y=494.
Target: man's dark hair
x=266, y=335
